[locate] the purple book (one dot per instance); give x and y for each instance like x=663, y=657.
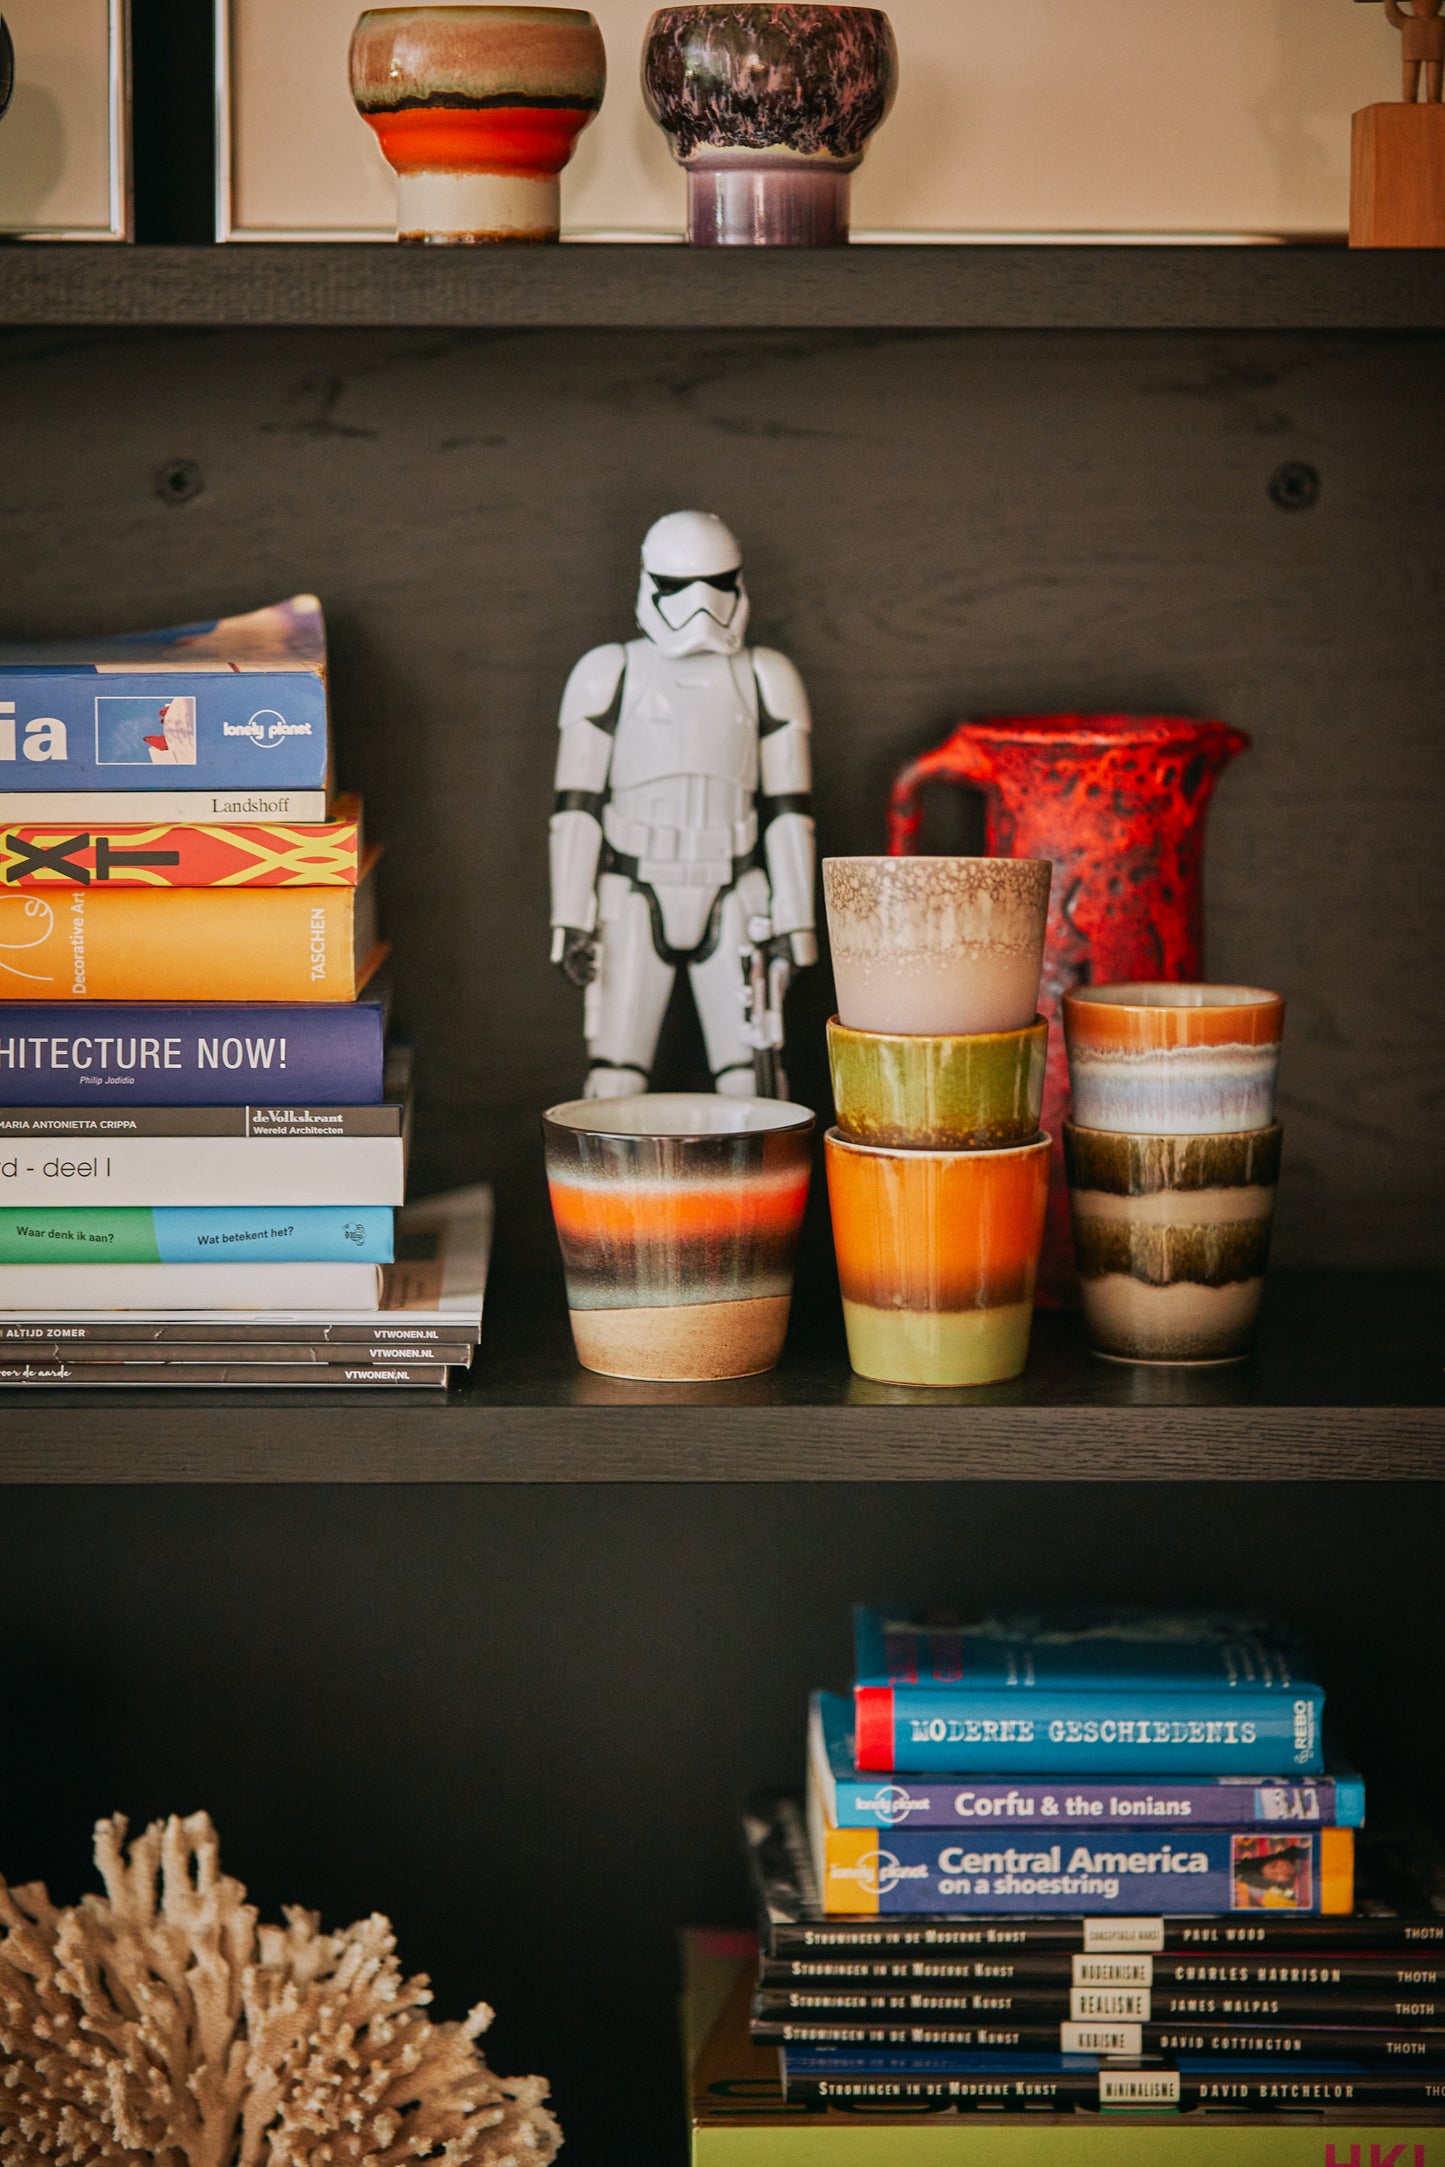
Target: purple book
x=222, y=1053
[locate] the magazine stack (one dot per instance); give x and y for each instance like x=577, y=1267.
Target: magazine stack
x=1100, y=1866
x=203, y=1128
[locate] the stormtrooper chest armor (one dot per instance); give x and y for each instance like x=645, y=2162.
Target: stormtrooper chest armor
x=684, y=771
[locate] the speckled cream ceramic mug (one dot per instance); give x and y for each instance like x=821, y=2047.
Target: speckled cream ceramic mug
x=678, y=1218
x=939, y=947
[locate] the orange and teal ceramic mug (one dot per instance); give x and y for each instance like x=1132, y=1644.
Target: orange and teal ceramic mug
x=936, y=1258
x=678, y=1219
x=973, y=1093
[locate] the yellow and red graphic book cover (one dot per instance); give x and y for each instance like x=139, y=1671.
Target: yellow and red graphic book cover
x=189, y=944
x=39, y=857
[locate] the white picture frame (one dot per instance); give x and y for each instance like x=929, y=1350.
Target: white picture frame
x=65, y=143
x=1071, y=120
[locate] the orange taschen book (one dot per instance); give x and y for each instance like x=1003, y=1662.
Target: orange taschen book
x=190, y=944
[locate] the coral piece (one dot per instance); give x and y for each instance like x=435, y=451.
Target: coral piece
x=162, y=2025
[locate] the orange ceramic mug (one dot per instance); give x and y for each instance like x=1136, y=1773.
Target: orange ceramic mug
x=936, y=1258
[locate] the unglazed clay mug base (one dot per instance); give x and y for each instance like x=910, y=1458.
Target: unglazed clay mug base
x=937, y=1252
x=678, y=1219
x=976, y=1093
x=1173, y=1060
x=477, y=109
x=1172, y=1238
x=937, y=947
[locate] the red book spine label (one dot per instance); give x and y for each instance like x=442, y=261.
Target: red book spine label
x=873, y=1726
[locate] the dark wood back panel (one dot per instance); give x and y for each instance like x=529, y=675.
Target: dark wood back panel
x=935, y=524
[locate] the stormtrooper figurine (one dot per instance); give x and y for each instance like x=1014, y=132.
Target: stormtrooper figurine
x=683, y=833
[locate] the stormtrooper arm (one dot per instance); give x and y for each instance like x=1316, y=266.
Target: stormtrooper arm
x=588, y=719
x=785, y=808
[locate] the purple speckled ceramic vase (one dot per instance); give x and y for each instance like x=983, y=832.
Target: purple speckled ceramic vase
x=770, y=108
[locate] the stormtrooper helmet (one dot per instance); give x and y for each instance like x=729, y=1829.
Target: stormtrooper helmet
x=692, y=600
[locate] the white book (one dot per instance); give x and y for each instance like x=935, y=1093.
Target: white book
x=184, y=808
x=260, y=1170
x=201, y=1287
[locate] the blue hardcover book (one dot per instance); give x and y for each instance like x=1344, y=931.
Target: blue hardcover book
x=197, y=1234
x=853, y=1799
x=1109, y=1694
x=235, y=704
x=97, y=1054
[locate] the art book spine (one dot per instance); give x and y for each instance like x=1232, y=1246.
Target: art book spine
x=1110, y=1870
x=37, y=856
x=285, y=1173
x=32, y=1124
x=191, y=1286
x=925, y=1938
x=1039, y=2002
x=69, y=727
x=1035, y=1731
x=1282, y=2043
x=180, y=944
x=191, y=1055
x=294, y=1376
x=1040, y=2083
x=1370, y=1975
x=181, y=1234
x=184, y=808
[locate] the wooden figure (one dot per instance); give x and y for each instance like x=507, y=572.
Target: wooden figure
x=1397, y=155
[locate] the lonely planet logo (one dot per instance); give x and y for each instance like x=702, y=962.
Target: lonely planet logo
x=891, y=1804
x=267, y=728
x=877, y=1872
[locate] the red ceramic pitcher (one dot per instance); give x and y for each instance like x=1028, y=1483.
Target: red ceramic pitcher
x=1118, y=803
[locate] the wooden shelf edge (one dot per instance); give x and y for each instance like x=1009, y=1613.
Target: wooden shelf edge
x=386, y=1440
x=630, y=286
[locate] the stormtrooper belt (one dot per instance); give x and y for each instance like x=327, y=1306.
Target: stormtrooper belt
x=618, y=861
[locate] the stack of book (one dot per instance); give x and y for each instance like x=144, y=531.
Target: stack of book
x=1091, y=1867
x=203, y=1134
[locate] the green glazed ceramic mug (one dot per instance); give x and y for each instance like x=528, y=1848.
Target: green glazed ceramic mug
x=982, y=1092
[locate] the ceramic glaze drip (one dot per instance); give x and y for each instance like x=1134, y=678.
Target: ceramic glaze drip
x=812, y=81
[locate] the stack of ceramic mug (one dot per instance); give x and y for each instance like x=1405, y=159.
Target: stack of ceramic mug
x=938, y=1171
x=1172, y=1157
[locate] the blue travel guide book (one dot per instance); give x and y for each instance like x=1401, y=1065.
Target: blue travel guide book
x=235, y=704
x=1107, y=1694
x=851, y=1798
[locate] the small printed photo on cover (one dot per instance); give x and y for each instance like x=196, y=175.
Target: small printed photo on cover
x=145, y=733
x=1270, y=1873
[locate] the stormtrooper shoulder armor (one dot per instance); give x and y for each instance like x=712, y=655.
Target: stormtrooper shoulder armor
x=594, y=690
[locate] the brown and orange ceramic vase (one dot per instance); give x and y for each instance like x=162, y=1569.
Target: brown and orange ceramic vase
x=477, y=109
x=770, y=107
x=678, y=1215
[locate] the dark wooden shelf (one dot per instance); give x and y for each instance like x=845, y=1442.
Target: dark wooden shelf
x=1147, y=287
x=1348, y=1384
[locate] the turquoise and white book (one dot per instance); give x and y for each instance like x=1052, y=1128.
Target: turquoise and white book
x=197, y=1234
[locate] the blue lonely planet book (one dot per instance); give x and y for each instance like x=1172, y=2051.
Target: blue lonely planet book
x=852, y=1798
x=1101, y=1694
x=99, y=1055
x=238, y=703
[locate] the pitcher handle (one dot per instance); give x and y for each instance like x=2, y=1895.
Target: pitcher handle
x=959, y=759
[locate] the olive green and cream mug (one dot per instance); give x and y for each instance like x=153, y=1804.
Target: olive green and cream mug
x=979, y=1092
